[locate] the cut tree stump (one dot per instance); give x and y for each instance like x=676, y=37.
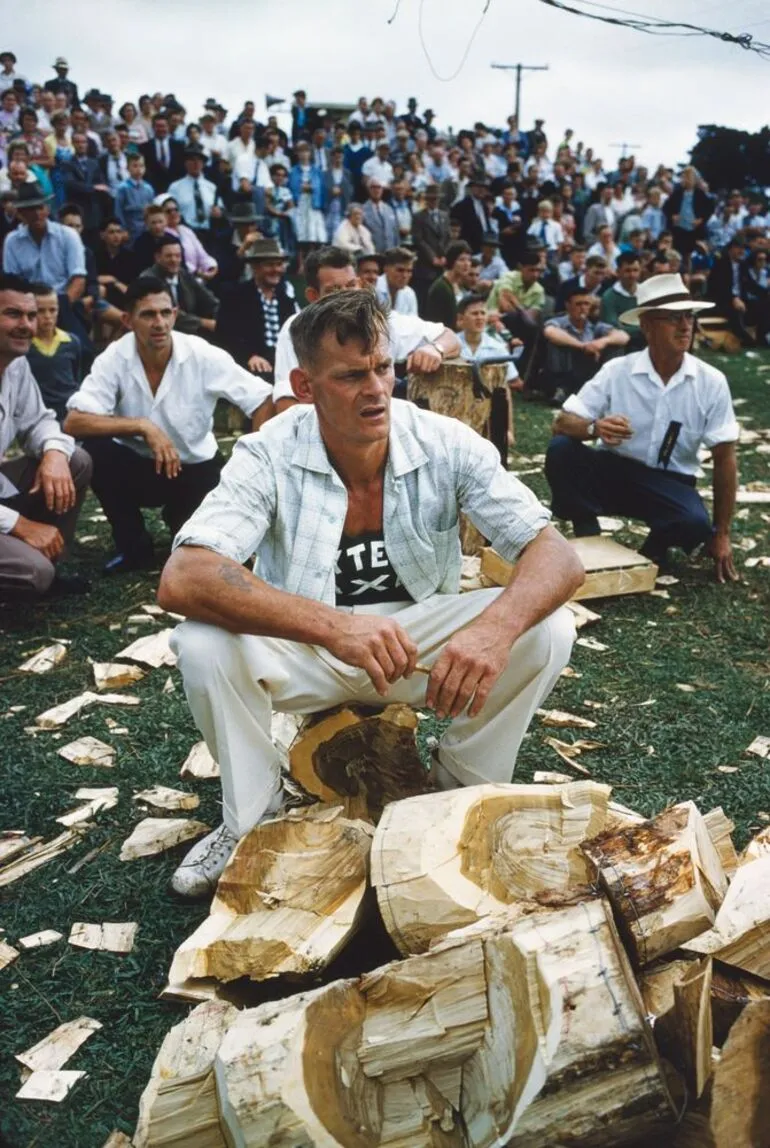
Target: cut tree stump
x=740, y=1110
x=444, y=1049
x=179, y=1104
x=664, y=879
x=361, y=755
x=611, y=569
x=605, y=1085
x=444, y=860
x=287, y=901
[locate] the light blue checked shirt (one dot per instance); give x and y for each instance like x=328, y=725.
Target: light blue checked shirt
x=280, y=498
x=58, y=259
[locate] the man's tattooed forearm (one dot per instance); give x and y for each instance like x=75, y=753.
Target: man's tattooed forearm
x=236, y=576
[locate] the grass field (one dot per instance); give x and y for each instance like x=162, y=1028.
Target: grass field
x=662, y=744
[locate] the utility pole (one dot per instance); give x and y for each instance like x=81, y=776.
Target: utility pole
x=624, y=147
x=518, y=69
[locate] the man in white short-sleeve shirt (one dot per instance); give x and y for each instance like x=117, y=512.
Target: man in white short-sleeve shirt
x=146, y=414
x=422, y=345
x=350, y=503
x=649, y=414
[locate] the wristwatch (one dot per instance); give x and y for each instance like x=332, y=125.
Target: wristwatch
x=591, y=430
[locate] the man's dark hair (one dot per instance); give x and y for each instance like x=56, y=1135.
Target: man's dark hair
x=109, y=221
x=596, y=261
x=167, y=240
x=368, y=257
x=325, y=257
x=142, y=287
x=396, y=255
x=160, y=116
x=627, y=257
x=575, y=290
x=10, y=282
x=530, y=259
x=468, y=301
x=348, y=315
x=455, y=250
x=41, y=289
x=70, y=209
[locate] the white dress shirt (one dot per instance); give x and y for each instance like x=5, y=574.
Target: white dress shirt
x=406, y=332
x=197, y=375
x=183, y=191
x=379, y=169
x=252, y=168
x=280, y=497
x=548, y=231
x=406, y=300
x=697, y=396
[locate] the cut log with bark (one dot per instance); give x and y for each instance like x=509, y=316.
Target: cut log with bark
x=445, y=860
x=179, y=1104
x=445, y=1049
x=740, y=1109
x=664, y=879
x=605, y=1085
x=288, y=900
x=361, y=755
x=739, y=935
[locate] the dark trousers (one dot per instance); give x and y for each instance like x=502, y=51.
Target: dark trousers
x=586, y=482
x=125, y=481
x=24, y=571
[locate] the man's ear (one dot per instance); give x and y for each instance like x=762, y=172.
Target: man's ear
x=126, y=318
x=300, y=384
x=311, y=295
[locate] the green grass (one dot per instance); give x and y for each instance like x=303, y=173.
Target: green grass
x=662, y=745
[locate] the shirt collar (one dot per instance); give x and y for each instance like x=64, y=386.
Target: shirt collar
x=51, y=348
x=405, y=453
x=644, y=366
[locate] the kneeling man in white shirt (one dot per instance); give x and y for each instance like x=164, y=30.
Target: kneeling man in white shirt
x=146, y=415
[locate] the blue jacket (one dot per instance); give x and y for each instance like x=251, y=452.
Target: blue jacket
x=316, y=184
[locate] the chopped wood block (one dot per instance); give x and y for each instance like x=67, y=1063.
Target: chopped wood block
x=199, y=763
x=447, y=1048
x=760, y=747
x=731, y=991
x=157, y=834
x=605, y=1085
x=100, y=800
x=445, y=860
x=720, y=828
x=45, y=659
x=287, y=902
x=362, y=755
x=40, y=940
x=61, y=714
x=54, y=1050
x=39, y=855
x=664, y=879
x=739, y=934
x=51, y=1086
x=611, y=569
x=110, y=937
x=13, y=842
x=620, y=816
x=656, y=984
x=115, y=675
x=88, y=751
x=740, y=1110
x=152, y=650
x=759, y=846
x=693, y=1025
x=162, y=797
x=561, y=719
x=7, y=954
x=179, y=1104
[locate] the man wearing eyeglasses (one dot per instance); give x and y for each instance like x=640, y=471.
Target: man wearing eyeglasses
x=649, y=414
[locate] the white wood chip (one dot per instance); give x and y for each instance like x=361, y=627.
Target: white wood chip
x=610, y=525
x=199, y=763
x=152, y=650
x=592, y=644
x=61, y=714
x=45, y=659
x=88, y=751
x=110, y=937
x=162, y=797
x=7, y=955
x=760, y=746
x=562, y=719
x=666, y=580
x=168, y=686
x=116, y=675
x=54, y=1050
x=98, y=800
x=40, y=940
x=158, y=834
x=51, y=1086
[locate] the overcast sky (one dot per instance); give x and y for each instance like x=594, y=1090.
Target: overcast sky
x=609, y=84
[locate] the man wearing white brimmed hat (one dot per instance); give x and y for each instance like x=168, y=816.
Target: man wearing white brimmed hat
x=649, y=413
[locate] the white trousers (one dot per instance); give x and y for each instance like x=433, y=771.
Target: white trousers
x=233, y=683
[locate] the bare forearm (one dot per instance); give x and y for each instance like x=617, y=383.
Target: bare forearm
x=725, y=487
x=448, y=344
x=81, y=424
x=572, y=425
x=561, y=338
x=75, y=288
x=545, y=577
x=208, y=587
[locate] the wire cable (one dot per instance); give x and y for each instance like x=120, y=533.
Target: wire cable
x=466, y=53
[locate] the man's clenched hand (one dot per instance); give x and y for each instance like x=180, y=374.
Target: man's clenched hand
x=467, y=668
x=375, y=644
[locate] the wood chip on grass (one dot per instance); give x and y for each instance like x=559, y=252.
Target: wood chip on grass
x=88, y=751
x=109, y=937
x=199, y=763
x=562, y=719
x=54, y=1050
x=13, y=842
x=592, y=644
x=59, y=715
x=45, y=659
x=7, y=955
x=39, y=940
x=152, y=650
x=158, y=834
x=53, y=1087
x=96, y=800
x=39, y=855
x=163, y=797
x=760, y=747
x=116, y=675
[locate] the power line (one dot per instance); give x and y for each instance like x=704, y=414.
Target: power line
x=466, y=53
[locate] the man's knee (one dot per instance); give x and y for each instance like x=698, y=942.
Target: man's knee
x=551, y=641
x=201, y=649
x=694, y=527
x=28, y=575
x=561, y=453
x=81, y=468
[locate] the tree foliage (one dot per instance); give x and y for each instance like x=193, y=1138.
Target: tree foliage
x=730, y=158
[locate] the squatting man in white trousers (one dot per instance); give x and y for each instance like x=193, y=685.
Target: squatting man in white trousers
x=350, y=502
